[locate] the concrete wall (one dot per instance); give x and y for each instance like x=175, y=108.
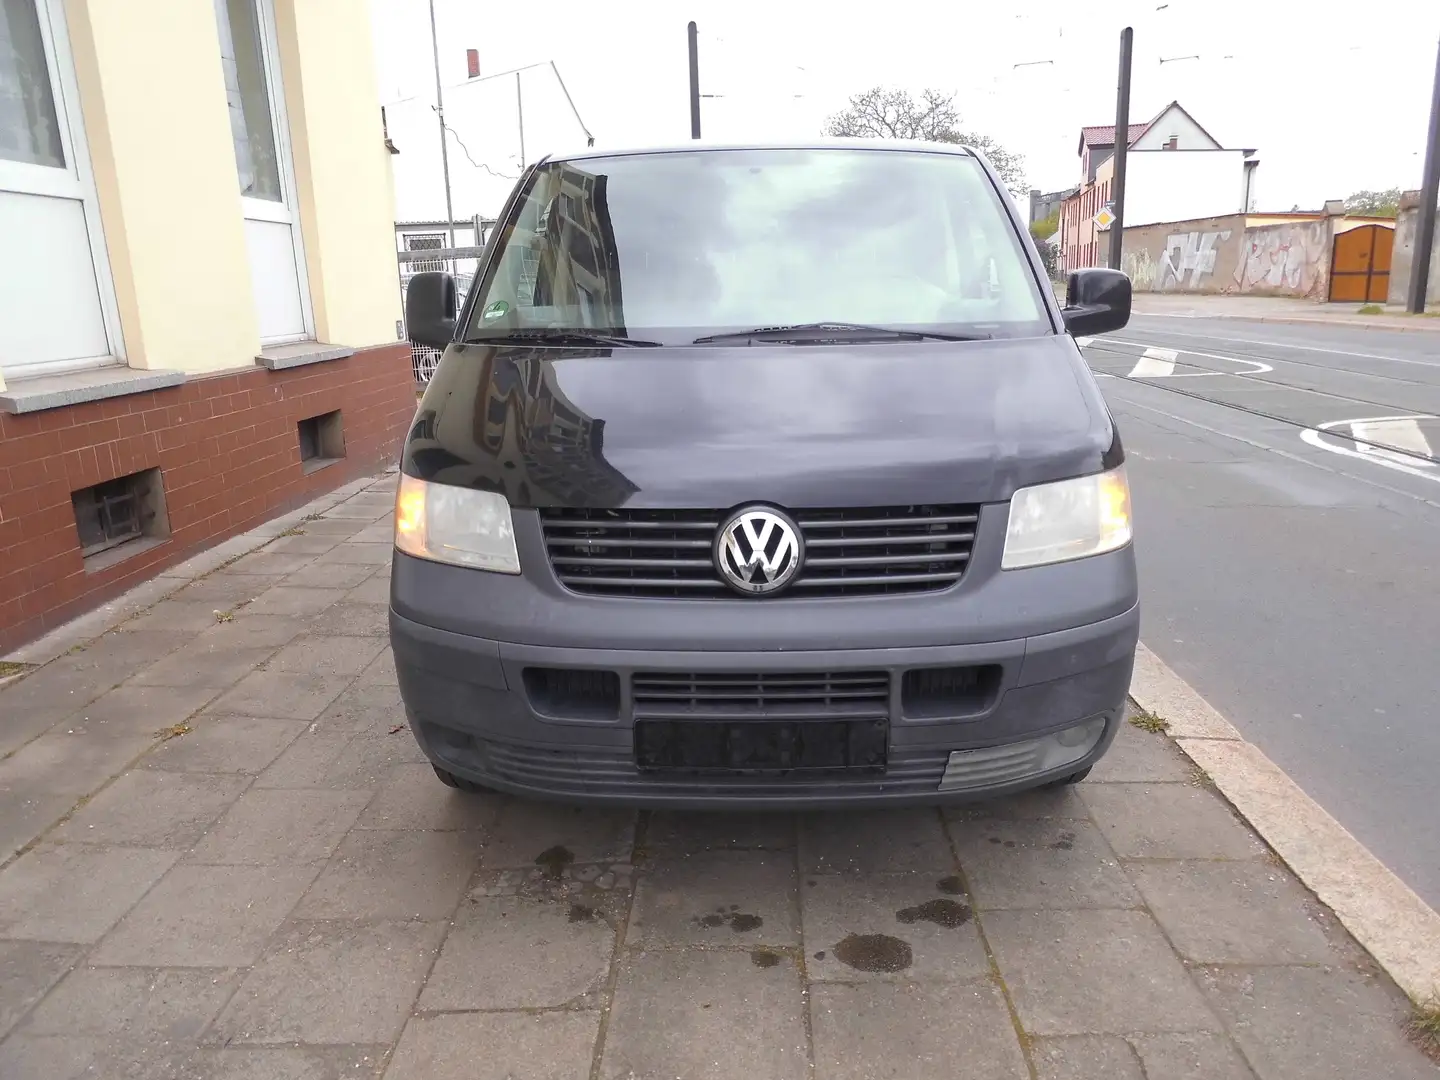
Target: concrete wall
x=1227, y=255
x=1403, y=257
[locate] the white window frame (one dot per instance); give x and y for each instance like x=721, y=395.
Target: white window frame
x=286, y=212
x=76, y=182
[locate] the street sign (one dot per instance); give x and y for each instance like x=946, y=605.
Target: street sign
x=1105, y=218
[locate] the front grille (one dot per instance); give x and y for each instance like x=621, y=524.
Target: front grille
x=848, y=552
x=772, y=696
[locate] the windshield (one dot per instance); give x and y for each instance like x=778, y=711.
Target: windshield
x=672, y=246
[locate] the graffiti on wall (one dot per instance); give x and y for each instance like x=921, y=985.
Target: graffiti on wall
x=1190, y=253
x=1140, y=268
x=1293, y=260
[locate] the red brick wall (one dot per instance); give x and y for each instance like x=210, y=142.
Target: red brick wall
x=230, y=460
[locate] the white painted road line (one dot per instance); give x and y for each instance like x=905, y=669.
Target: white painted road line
x=1323, y=437
x=1383, y=914
x=1154, y=362
x=1247, y=367
x=1401, y=432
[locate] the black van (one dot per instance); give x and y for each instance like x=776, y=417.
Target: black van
x=763, y=476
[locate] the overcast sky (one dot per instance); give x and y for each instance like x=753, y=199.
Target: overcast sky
x=1332, y=104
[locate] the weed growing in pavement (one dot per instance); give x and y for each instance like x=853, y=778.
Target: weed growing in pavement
x=1148, y=721
x=1371, y=309
x=1424, y=1027
x=8, y=668
x=294, y=530
x=224, y=616
x=174, y=731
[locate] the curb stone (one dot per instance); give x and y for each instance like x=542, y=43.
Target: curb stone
x=1389, y=920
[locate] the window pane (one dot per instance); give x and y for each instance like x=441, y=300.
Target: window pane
x=248, y=95
x=672, y=245
x=29, y=128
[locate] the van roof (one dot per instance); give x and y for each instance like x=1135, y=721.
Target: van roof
x=817, y=143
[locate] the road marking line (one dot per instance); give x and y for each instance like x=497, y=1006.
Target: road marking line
x=1283, y=345
x=1154, y=362
x=1255, y=366
x=1316, y=437
x=1397, y=432
x=1379, y=910
x=1084, y=342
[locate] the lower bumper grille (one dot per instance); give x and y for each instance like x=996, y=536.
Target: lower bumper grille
x=772, y=696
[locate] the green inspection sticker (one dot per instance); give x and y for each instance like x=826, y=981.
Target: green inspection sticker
x=497, y=309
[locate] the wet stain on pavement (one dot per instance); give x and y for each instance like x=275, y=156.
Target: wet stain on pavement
x=952, y=885
x=554, y=860
x=874, y=952
x=946, y=913
x=739, y=921
x=820, y=955
x=997, y=840
x=1065, y=843
x=764, y=958
x=581, y=913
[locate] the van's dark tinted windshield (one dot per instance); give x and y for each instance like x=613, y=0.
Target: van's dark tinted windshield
x=671, y=246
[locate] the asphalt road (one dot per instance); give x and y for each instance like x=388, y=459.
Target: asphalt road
x=1287, y=497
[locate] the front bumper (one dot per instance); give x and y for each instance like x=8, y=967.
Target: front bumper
x=475, y=714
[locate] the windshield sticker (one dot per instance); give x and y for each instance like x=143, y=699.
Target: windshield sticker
x=495, y=310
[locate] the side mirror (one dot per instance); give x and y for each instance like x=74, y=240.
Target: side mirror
x=1096, y=301
x=431, y=304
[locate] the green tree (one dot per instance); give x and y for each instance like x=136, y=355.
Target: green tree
x=884, y=113
x=1374, y=203
x=1042, y=231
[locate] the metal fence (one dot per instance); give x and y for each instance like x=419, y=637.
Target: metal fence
x=460, y=261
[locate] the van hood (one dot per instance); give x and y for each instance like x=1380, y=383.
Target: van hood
x=888, y=424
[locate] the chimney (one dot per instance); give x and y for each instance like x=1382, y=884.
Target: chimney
x=1173, y=143
x=472, y=63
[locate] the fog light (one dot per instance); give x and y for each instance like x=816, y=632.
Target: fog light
x=993, y=766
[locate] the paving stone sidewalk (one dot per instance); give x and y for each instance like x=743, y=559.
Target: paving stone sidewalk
x=222, y=856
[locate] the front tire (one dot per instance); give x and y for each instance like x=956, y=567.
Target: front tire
x=459, y=783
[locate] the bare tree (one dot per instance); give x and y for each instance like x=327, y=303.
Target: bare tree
x=882, y=113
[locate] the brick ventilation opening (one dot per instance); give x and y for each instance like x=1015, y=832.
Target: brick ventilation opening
x=120, y=518
x=322, y=440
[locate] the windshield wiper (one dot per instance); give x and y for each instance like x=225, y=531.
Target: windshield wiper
x=835, y=331
x=544, y=336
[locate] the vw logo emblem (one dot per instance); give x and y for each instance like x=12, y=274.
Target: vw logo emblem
x=758, y=550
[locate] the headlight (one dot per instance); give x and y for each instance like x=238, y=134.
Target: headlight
x=455, y=525
x=1070, y=519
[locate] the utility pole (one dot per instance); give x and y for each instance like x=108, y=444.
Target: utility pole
x=694, y=34
x=1122, y=145
x=444, y=139
x=1429, y=195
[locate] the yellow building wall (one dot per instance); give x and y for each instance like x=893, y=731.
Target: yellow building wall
x=342, y=169
x=152, y=93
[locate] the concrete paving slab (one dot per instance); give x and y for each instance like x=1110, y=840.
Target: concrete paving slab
x=1140, y=757
x=285, y=1063
x=75, y=892
x=727, y=898
x=1094, y=972
x=267, y=562
x=206, y=916
x=410, y=798
x=238, y=745
x=18, y=726
x=149, y=1004
x=713, y=1014
x=534, y=833
x=365, y=709
x=1168, y=821
x=872, y=842
x=1233, y=912
x=373, y=590
x=144, y=710
x=902, y=1032
x=496, y=1046
x=302, y=543
x=671, y=832
x=1191, y=1057
x=354, y=619
x=71, y=760
x=394, y=875
x=25, y=815
x=280, y=827
x=289, y=695
x=65, y=1057
x=249, y=631
x=1086, y=1057
x=204, y=662
x=326, y=656
x=910, y=927
x=381, y=671
x=328, y=575
x=352, y=552
x=28, y=969
x=328, y=757
x=292, y=600
x=1042, y=863
x=517, y=952
x=334, y=982
x=1299, y=1023
x=179, y=616
x=146, y=808
x=224, y=591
